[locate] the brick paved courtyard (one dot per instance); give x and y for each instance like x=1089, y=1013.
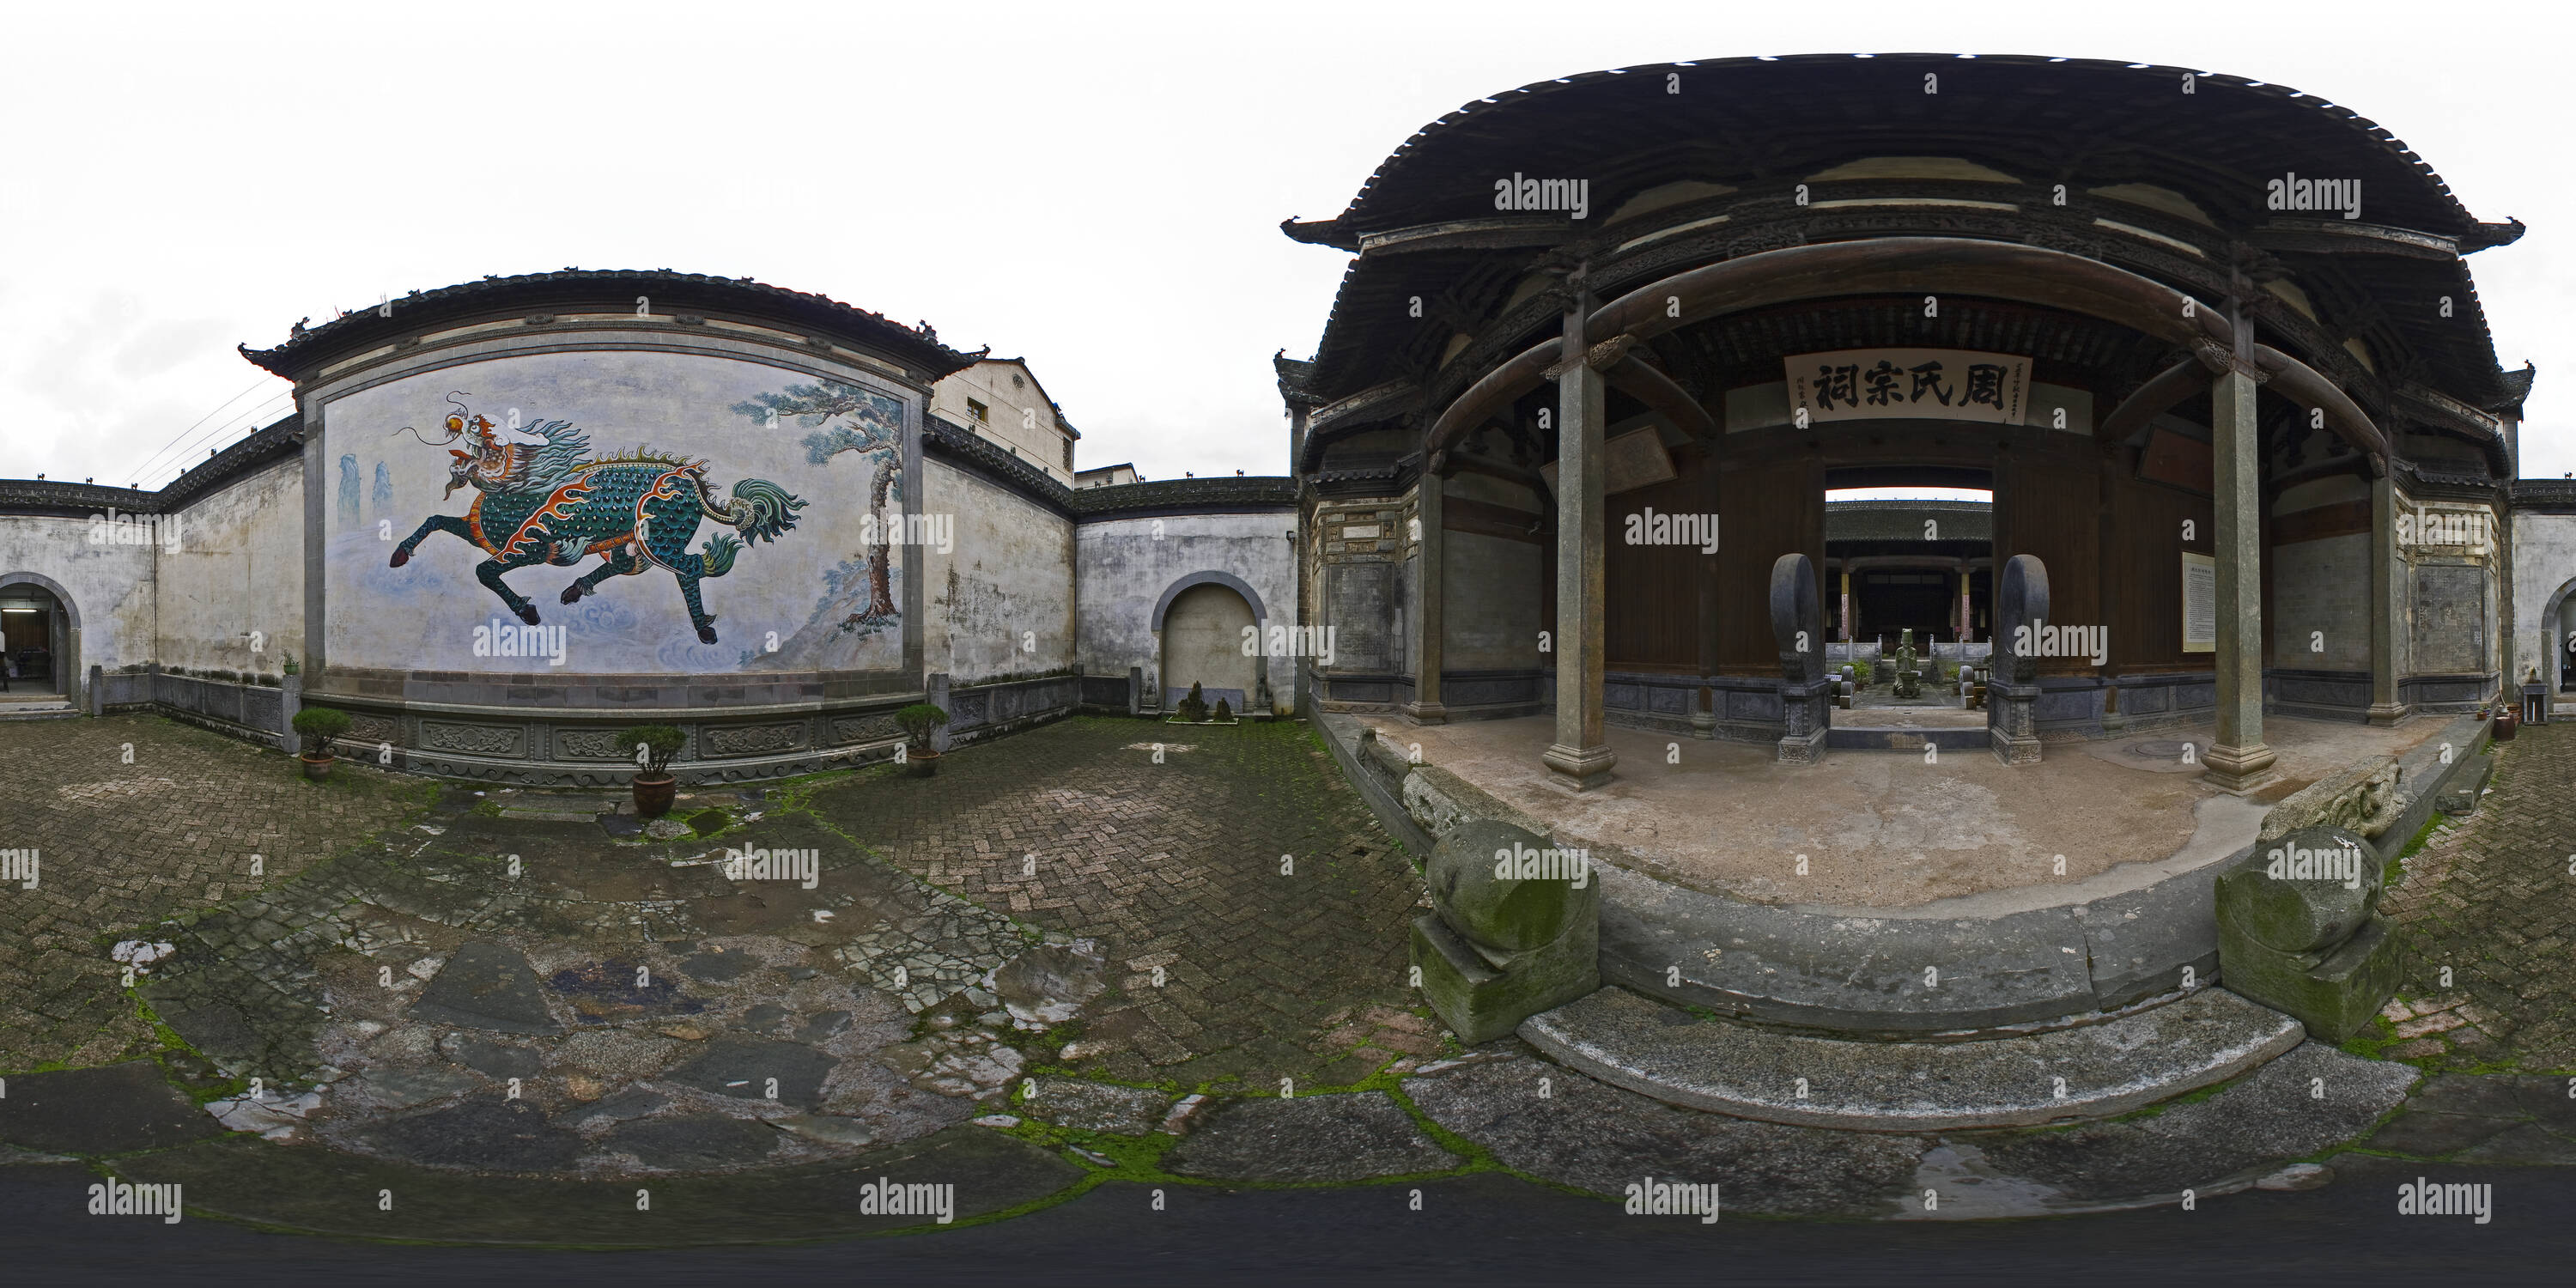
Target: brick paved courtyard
x=2491, y=897
x=123, y=843
x=1177, y=865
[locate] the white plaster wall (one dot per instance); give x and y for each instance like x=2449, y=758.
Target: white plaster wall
x=1123, y=567
x=1008, y=408
x=238, y=569
x=2544, y=559
x=1000, y=602
x=110, y=586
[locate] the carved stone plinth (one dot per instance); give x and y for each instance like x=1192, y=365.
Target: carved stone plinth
x=2238, y=770
x=1579, y=768
x=2011, y=727
x=1515, y=929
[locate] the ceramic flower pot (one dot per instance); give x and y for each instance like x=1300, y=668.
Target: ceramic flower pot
x=653, y=795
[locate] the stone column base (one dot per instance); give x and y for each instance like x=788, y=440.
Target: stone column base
x=1425, y=713
x=1579, y=768
x=1806, y=749
x=2237, y=770
x=2388, y=714
x=2012, y=750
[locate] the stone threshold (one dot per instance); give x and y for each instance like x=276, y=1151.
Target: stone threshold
x=2063, y=1075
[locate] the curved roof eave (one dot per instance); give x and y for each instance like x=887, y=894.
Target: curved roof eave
x=308, y=350
x=1485, y=117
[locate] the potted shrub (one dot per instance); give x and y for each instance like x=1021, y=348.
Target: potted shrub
x=654, y=746
x=319, y=726
x=919, y=722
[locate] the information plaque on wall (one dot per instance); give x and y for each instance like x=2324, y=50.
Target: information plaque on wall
x=2199, y=603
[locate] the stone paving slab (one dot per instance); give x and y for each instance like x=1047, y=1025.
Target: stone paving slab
x=327, y=1192
x=487, y=986
x=485, y=1133
x=1348, y=1137
x=110, y=1110
x=693, y=1142
x=2093, y=1071
x=2299, y=1105
x=1097, y=1106
x=1580, y=1132
x=744, y=1069
x=2504, y=1118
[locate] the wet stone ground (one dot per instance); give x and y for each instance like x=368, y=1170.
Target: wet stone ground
x=507, y=986
x=535, y=982
x=1056, y=960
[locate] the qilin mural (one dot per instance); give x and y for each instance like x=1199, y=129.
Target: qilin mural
x=545, y=503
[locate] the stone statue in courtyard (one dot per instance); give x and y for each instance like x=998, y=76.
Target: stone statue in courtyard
x=1909, y=677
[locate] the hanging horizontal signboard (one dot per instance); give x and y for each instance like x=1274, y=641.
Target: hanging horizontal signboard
x=1943, y=384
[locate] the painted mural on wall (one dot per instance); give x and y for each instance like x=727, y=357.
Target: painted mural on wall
x=858, y=599
x=689, y=501
x=555, y=504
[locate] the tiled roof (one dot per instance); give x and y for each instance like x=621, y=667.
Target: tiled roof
x=45, y=496
x=308, y=350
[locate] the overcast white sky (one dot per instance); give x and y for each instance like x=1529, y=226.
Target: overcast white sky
x=1097, y=187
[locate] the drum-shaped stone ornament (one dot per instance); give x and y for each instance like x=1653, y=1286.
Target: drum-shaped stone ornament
x=1504, y=888
x=2305, y=891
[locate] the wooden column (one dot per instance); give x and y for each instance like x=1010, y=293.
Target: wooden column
x=1429, y=597
x=1580, y=758
x=2238, y=761
x=1704, y=580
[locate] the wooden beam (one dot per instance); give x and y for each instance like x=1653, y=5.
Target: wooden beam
x=2302, y=383
x=1929, y=266
x=1657, y=390
x=2162, y=393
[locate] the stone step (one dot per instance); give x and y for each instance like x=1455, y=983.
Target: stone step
x=1893, y=738
x=55, y=709
x=2107, y=1069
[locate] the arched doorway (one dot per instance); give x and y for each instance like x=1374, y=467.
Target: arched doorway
x=2558, y=624
x=1202, y=619
x=39, y=641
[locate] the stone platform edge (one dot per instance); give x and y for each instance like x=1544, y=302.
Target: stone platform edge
x=1847, y=971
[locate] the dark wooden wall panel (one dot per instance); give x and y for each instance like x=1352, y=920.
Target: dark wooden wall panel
x=1651, y=593
x=1771, y=509
x=2050, y=506
x=2143, y=575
